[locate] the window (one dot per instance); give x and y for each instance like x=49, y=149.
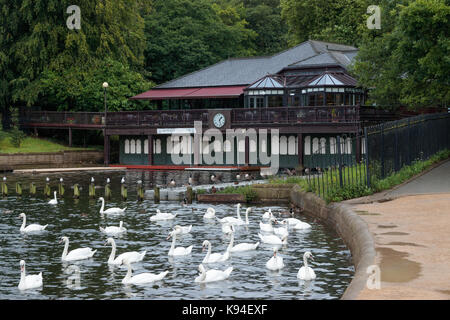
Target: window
x=323, y=145
x=275, y=101
x=138, y=146
x=291, y=145
x=132, y=146
x=348, y=142
x=157, y=146
x=283, y=145
x=307, y=145
x=333, y=145
x=127, y=146
x=146, y=146
x=315, y=146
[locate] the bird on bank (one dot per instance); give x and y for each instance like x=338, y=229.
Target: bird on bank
x=172, y=183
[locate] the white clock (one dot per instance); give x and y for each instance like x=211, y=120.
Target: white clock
x=219, y=120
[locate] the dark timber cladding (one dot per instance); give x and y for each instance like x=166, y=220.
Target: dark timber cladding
x=305, y=92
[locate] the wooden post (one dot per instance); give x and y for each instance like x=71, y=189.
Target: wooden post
x=107, y=192
x=189, y=195
x=47, y=190
x=76, y=191
x=124, y=192
x=19, y=189
x=32, y=188
x=4, y=188
x=140, y=191
x=150, y=150
x=106, y=148
x=156, y=197
x=70, y=137
x=92, y=190
x=247, y=150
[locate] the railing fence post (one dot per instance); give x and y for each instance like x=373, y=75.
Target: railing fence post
x=366, y=142
x=339, y=160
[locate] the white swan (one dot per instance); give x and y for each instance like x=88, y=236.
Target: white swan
x=238, y=221
x=31, y=227
x=282, y=231
x=214, y=257
x=210, y=213
x=212, y=275
x=141, y=278
x=233, y=219
x=76, y=254
x=305, y=272
x=268, y=215
x=178, y=251
x=31, y=281
x=113, y=230
x=130, y=256
x=226, y=228
x=162, y=216
x=276, y=262
x=272, y=239
x=267, y=227
x=244, y=246
x=54, y=200
x=110, y=210
x=184, y=230
x=301, y=226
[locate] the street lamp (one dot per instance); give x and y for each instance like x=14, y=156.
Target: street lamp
x=105, y=86
x=106, y=142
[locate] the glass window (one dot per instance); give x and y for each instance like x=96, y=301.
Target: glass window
x=132, y=146
x=283, y=145
x=275, y=101
x=331, y=99
x=127, y=146
x=308, y=145
x=291, y=145
x=138, y=146
x=146, y=146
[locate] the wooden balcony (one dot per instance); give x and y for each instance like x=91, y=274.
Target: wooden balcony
x=261, y=117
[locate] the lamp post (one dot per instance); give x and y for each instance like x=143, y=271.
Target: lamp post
x=106, y=140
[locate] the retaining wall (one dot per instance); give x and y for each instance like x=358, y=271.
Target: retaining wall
x=353, y=230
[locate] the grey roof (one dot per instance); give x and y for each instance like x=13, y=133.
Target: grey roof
x=244, y=71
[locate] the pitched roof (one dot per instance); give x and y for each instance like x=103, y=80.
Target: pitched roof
x=243, y=71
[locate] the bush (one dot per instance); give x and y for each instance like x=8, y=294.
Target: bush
x=249, y=193
x=348, y=192
x=16, y=137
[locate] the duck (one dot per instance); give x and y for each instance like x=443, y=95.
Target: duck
x=212, y=274
x=184, y=230
x=244, y=246
x=268, y=215
x=276, y=262
x=31, y=227
x=282, y=231
x=76, y=254
x=266, y=227
x=142, y=278
x=214, y=257
x=178, y=251
x=272, y=239
x=130, y=256
x=210, y=213
x=31, y=281
x=54, y=200
x=113, y=230
x=110, y=210
x=162, y=216
x=306, y=272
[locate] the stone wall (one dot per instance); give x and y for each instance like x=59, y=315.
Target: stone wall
x=273, y=193
x=353, y=230
x=53, y=159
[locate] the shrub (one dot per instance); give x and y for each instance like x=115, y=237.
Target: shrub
x=16, y=137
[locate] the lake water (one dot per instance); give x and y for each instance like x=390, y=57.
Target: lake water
x=80, y=220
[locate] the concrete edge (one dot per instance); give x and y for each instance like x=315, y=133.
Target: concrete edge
x=353, y=230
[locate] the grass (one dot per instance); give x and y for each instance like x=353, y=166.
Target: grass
x=34, y=145
x=249, y=193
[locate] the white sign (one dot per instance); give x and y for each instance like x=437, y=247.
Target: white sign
x=176, y=131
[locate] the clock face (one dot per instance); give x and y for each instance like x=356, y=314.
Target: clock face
x=219, y=120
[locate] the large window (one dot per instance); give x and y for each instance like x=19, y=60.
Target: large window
x=275, y=101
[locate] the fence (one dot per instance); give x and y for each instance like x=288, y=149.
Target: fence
x=358, y=160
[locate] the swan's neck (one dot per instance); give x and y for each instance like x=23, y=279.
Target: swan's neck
x=103, y=206
x=66, y=248
x=238, y=212
x=230, y=246
x=24, y=222
x=246, y=217
x=305, y=263
x=22, y=275
x=129, y=273
x=54, y=195
x=172, y=247
x=113, y=252
x=209, y=251
x=202, y=274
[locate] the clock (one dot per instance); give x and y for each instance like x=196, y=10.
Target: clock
x=219, y=120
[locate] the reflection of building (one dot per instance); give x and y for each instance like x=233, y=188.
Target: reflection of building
x=305, y=92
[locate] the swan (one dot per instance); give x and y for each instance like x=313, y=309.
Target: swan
x=272, y=239
x=178, y=251
x=241, y=246
x=110, y=210
x=210, y=213
x=54, y=200
x=31, y=227
x=113, y=230
x=226, y=228
x=212, y=275
x=214, y=257
x=162, y=216
x=238, y=221
x=267, y=227
x=268, y=215
x=76, y=254
x=282, y=231
x=305, y=272
x=301, y=226
x=276, y=262
x=131, y=256
x=291, y=221
x=31, y=281
x=233, y=219
x=141, y=278
x=184, y=230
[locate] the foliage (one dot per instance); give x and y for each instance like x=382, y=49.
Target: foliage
x=250, y=194
x=16, y=137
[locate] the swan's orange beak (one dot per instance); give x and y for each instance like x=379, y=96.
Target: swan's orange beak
x=168, y=237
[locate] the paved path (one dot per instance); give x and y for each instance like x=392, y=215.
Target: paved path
x=411, y=238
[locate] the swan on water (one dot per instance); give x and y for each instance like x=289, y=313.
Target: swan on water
x=272, y=239
x=110, y=210
x=162, y=216
x=31, y=227
x=76, y=254
x=267, y=227
x=281, y=231
x=31, y=281
x=238, y=220
x=226, y=228
x=214, y=257
x=113, y=230
x=212, y=275
x=244, y=246
x=210, y=213
x=141, y=278
x=131, y=256
x=178, y=251
x=301, y=226
x=54, y=200
x=184, y=230
x=268, y=215
x=276, y=262
x=306, y=272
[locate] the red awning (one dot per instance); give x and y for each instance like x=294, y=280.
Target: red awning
x=191, y=93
